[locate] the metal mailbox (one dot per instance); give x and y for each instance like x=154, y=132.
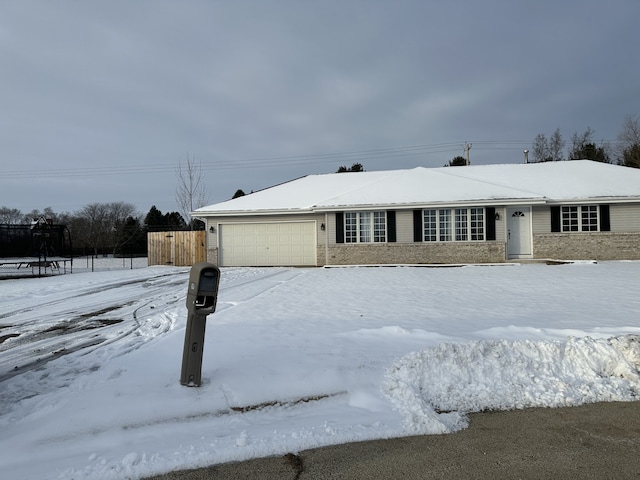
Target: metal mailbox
x=202, y=296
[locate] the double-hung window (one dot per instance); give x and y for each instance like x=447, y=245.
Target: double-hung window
x=430, y=225
x=365, y=227
x=577, y=218
x=444, y=223
x=454, y=224
x=462, y=225
x=589, y=217
x=476, y=220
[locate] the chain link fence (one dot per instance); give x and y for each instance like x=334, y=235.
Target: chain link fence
x=25, y=267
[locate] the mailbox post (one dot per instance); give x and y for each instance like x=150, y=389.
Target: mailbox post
x=202, y=295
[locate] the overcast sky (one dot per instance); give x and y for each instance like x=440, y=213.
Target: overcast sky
x=100, y=100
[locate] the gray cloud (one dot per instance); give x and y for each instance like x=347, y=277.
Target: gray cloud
x=101, y=100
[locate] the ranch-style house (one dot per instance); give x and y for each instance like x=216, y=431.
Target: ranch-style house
x=570, y=210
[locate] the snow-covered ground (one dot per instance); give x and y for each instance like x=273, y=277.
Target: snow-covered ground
x=297, y=358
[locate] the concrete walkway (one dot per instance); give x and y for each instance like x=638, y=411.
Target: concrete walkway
x=598, y=441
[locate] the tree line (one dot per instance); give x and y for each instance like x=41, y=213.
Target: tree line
x=583, y=146
x=117, y=228
x=106, y=228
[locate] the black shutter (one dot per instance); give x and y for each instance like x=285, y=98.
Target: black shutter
x=391, y=226
x=555, y=219
x=491, y=223
x=417, y=226
x=605, y=219
x=339, y=227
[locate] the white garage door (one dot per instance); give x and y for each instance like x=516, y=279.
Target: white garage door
x=267, y=244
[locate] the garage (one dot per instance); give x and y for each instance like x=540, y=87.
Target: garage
x=267, y=244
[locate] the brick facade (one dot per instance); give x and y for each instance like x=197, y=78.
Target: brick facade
x=212, y=255
x=614, y=245
x=417, y=253
x=587, y=246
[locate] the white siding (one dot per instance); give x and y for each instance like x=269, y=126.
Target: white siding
x=541, y=219
x=404, y=226
x=625, y=218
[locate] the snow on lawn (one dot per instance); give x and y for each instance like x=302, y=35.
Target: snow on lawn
x=297, y=358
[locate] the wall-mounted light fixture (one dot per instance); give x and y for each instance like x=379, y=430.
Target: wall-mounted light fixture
x=212, y=229
x=322, y=227
x=497, y=216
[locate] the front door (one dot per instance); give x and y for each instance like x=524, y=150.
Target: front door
x=519, y=232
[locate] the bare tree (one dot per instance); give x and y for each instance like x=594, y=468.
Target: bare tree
x=584, y=148
x=99, y=225
x=90, y=226
x=578, y=142
x=556, y=146
x=548, y=149
x=10, y=215
x=540, y=148
x=191, y=192
x=48, y=214
x=628, y=149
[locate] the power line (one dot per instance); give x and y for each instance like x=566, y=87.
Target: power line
x=270, y=161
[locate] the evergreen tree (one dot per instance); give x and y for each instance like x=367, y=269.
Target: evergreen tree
x=174, y=221
x=458, y=161
x=631, y=156
x=154, y=221
x=584, y=148
x=131, y=238
x=356, y=167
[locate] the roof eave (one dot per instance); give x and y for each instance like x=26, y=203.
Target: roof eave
x=246, y=213
x=411, y=205
x=582, y=200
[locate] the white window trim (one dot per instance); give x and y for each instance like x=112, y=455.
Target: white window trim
x=451, y=232
x=579, y=215
x=371, y=231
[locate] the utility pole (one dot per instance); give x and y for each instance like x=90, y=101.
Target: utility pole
x=467, y=147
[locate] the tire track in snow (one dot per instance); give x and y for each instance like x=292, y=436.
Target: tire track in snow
x=230, y=297
x=46, y=337
x=103, y=317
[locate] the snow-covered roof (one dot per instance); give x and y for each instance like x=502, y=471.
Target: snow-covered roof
x=551, y=182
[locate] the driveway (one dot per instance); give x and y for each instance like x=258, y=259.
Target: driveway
x=596, y=441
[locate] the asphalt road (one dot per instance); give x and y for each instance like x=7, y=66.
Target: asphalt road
x=597, y=441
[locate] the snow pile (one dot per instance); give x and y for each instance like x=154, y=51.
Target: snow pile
x=296, y=359
x=506, y=375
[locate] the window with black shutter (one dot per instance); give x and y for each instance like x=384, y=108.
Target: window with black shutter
x=555, y=219
x=605, y=219
x=417, y=225
x=339, y=227
x=391, y=226
x=491, y=223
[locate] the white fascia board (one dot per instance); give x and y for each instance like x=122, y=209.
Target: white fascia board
x=247, y=213
x=593, y=200
x=408, y=206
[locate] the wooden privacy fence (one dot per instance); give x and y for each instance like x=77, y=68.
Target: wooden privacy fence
x=180, y=248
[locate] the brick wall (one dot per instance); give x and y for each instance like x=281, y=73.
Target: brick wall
x=454, y=252
x=587, y=246
x=212, y=255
